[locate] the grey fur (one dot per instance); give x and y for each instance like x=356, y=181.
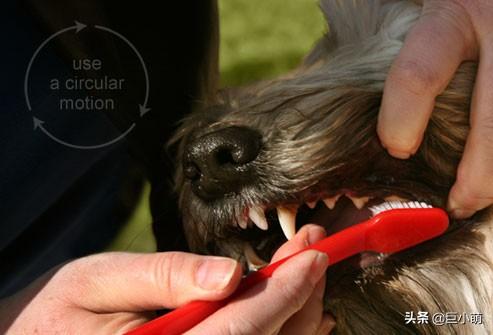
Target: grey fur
x=318, y=127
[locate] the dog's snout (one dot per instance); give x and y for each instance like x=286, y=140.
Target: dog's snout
x=219, y=163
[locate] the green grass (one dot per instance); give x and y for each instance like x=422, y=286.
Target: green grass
x=259, y=39
x=264, y=38
x=136, y=235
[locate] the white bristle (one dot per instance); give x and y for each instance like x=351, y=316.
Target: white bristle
x=388, y=205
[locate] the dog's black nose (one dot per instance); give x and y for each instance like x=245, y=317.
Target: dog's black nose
x=220, y=162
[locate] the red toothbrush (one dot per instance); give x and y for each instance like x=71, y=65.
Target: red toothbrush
x=395, y=226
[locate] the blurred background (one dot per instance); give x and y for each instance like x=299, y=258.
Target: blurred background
x=259, y=39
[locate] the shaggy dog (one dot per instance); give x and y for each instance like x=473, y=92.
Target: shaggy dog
x=260, y=161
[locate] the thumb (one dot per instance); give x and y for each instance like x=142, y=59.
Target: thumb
x=116, y=282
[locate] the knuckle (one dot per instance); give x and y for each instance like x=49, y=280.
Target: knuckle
x=414, y=76
x=165, y=271
x=453, y=18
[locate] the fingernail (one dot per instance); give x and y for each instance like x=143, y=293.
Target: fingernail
x=314, y=234
x=461, y=213
x=215, y=273
x=399, y=154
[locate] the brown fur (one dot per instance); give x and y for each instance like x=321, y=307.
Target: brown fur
x=318, y=128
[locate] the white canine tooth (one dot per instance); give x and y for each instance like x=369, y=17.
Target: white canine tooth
x=256, y=214
x=311, y=204
x=243, y=222
x=287, y=219
x=331, y=202
x=359, y=203
x=253, y=260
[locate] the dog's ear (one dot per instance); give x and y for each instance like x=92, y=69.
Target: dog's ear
x=348, y=21
x=351, y=21
x=355, y=21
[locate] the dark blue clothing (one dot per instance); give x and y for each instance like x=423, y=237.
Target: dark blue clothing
x=56, y=202
x=59, y=203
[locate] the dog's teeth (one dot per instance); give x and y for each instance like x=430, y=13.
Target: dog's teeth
x=331, y=202
x=256, y=214
x=287, y=219
x=243, y=222
x=359, y=203
x=253, y=260
x=311, y=204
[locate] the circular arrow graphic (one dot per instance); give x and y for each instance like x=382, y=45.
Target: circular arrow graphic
x=39, y=124
x=77, y=27
x=142, y=108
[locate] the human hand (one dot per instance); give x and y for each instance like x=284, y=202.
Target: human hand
x=290, y=302
x=111, y=293
x=447, y=33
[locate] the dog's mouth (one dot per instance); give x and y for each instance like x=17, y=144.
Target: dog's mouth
x=266, y=227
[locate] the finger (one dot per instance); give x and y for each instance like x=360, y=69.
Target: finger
x=268, y=305
x=327, y=325
x=307, y=235
x=431, y=54
x=473, y=189
x=112, y=282
x=308, y=319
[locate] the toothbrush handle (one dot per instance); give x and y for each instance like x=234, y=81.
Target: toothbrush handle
x=338, y=247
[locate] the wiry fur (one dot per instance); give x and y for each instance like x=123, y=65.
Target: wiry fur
x=318, y=128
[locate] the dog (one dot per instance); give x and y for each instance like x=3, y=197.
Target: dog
x=257, y=162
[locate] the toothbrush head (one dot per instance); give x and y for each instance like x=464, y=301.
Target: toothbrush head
x=398, y=225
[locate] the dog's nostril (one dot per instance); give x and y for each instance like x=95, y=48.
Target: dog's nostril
x=225, y=156
x=218, y=163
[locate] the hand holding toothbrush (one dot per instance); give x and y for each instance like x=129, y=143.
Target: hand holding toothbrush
x=111, y=293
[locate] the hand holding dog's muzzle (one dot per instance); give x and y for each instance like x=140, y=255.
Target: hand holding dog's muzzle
x=447, y=33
